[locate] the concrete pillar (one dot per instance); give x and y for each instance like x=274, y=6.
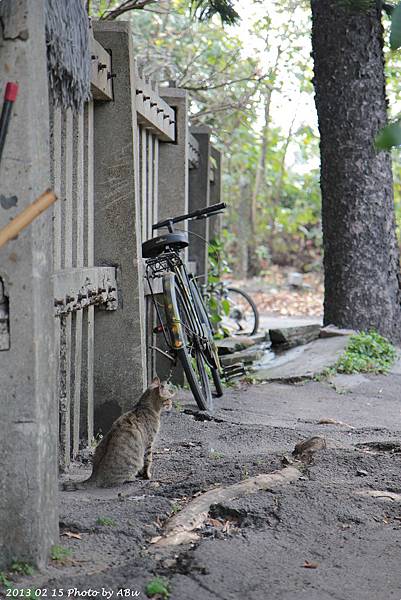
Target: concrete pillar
x=173, y=161
x=28, y=411
x=120, y=368
x=199, y=197
x=173, y=194
x=216, y=194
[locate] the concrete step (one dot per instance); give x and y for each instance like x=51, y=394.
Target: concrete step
x=294, y=336
x=237, y=343
x=302, y=362
x=246, y=357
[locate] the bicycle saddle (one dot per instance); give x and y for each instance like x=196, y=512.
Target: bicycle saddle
x=157, y=245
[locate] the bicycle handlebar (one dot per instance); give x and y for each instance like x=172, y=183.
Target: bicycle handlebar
x=197, y=214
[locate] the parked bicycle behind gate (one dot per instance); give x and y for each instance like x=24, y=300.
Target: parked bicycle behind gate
x=186, y=326
x=238, y=313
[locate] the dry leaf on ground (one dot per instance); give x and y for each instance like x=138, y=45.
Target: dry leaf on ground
x=310, y=565
x=71, y=534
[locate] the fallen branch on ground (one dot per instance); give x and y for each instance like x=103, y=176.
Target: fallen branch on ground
x=180, y=528
x=381, y=494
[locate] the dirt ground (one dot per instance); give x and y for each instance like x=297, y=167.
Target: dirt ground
x=322, y=537
x=274, y=296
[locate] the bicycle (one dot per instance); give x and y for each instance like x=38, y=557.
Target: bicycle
x=187, y=330
x=239, y=313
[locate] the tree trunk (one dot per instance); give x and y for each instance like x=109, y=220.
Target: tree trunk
x=244, y=229
x=361, y=257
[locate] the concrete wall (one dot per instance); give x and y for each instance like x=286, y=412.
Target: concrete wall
x=28, y=412
x=216, y=194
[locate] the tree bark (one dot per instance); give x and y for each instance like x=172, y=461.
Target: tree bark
x=361, y=257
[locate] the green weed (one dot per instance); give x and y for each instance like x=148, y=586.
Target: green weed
x=215, y=455
x=367, y=352
x=59, y=553
x=157, y=587
x=179, y=407
x=22, y=568
x=4, y=581
x=175, y=508
x=106, y=521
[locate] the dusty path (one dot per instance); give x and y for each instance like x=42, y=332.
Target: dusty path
x=321, y=537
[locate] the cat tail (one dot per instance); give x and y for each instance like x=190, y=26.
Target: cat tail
x=72, y=486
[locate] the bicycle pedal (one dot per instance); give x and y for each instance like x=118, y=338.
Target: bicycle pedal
x=234, y=371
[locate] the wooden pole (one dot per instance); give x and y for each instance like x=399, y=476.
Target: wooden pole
x=25, y=217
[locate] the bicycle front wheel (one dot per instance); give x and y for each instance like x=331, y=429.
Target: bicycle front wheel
x=185, y=339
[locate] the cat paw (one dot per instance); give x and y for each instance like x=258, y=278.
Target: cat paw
x=144, y=474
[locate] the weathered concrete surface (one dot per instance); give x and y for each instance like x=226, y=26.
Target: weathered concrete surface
x=303, y=361
x=216, y=194
x=199, y=197
x=119, y=368
x=173, y=161
x=344, y=383
x=326, y=518
x=274, y=321
x=295, y=336
x=28, y=409
x=332, y=330
x=240, y=342
x=250, y=355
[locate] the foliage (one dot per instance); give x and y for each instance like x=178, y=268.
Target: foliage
x=395, y=34
x=217, y=306
x=22, y=568
x=206, y=9
x=228, y=84
x=157, y=587
x=367, y=352
x=389, y=136
x=4, y=580
x=59, y=553
x=106, y=521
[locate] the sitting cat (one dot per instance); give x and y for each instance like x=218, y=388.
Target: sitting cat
x=126, y=450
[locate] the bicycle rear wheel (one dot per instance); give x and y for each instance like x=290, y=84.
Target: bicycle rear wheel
x=185, y=341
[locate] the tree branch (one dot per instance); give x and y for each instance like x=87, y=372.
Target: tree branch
x=126, y=6
x=224, y=84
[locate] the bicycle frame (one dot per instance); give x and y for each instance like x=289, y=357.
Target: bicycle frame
x=170, y=266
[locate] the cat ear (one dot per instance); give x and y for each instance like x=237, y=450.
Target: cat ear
x=155, y=383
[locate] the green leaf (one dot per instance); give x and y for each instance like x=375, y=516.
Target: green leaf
x=389, y=136
x=226, y=307
x=395, y=33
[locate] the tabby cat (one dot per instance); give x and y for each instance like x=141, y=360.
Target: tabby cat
x=126, y=450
